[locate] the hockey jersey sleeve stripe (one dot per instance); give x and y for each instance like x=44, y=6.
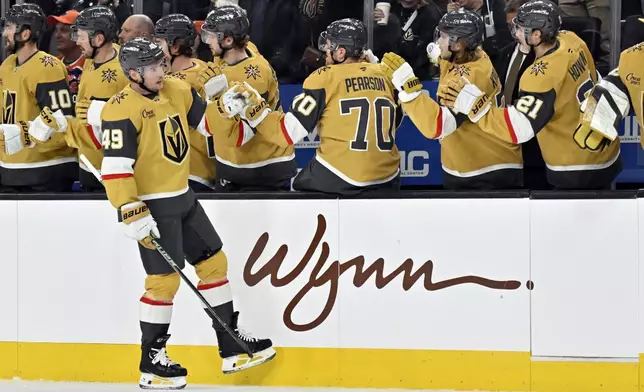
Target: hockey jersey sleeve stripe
x=117, y=166
x=519, y=127
x=92, y=135
x=513, y=134
x=246, y=133
x=293, y=129
x=439, y=124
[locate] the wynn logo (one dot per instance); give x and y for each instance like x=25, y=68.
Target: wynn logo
x=362, y=272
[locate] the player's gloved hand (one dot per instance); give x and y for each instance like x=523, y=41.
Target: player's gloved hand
x=464, y=97
x=433, y=53
x=372, y=58
x=15, y=137
x=402, y=76
x=213, y=80
x=46, y=124
x=240, y=99
x=598, y=123
x=139, y=224
x=89, y=111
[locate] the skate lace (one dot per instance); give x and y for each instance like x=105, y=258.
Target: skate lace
x=245, y=336
x=162, y=357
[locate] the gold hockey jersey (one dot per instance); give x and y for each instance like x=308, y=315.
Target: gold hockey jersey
x=470, y=157
x=353, y=108
x=244, y=157
x=99, y=82
x=629, y=79
x=146, y=142
x=551, y=92
x=202, y=163
x=38, y=82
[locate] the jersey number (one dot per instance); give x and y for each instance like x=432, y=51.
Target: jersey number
x=112, y=139
x=529, y=106
x=60, y=99
x=384, y=141
x=304, y=104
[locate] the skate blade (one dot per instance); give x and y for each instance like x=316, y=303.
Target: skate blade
x=151, y=381
x=238, y=363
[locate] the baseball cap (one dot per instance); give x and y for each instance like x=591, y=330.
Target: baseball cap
x=67, y=18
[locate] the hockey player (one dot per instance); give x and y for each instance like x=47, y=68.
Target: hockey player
x=351, y=103
x=245, y=160
x=31, y=80
x=551, y=93
x=145, y=170
x=611, y=100
x=176, y=35
x=94, y=31
x=471, y=158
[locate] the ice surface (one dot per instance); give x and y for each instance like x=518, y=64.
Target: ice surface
x=41, y=386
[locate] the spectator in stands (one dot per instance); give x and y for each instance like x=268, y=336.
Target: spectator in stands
x=276, y=28
x=497, y=33
x=70, y=53
x=136, y=26
x=408, y=31
x=598, y=9
x=511, y=62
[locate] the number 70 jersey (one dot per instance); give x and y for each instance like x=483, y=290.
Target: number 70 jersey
x=353, y=108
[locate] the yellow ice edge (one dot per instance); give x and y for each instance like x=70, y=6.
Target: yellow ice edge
x=330, y=367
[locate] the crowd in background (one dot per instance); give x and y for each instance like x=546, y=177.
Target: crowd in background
x=286, y=31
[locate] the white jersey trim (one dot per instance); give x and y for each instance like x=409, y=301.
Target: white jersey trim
x=164, y=195
x=117, y=165
x=255, y=164
x=35, y=165
x=352, y=181
x=484, y=170
x=598, y=166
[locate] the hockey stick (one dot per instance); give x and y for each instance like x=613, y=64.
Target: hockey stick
x=176, y=268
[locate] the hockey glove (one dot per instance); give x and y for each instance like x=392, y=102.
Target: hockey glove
x=464, y=97
x=242, y=99
x=402, y=76
x=213, y=80
x=603, y=112
x=15, y=137
x=46, y=124
x=433, y=53
x=89, y=111
x=138, y=223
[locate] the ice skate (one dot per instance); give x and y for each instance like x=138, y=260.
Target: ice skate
x=157, y=370
x=234, y=357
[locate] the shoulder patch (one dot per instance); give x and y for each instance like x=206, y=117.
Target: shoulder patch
x=460, y=70
x=47, y=61
x=539, y=68
x=108, y=75
x=118, y=97
x=322, y=69
x=252, y=72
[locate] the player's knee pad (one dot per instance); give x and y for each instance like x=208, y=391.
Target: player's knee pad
x=162, y=287
x=214, y=268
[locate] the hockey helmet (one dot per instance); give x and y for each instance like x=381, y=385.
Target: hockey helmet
x=27, y=16
x=348, y=33
x=227, y=21
x=542, y=15
x=175, y=26
x=96, y=20
x=139, y=53
x=462, y=25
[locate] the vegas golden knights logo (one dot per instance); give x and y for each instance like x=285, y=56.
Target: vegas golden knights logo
x=174, y=139
x=9, y=115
